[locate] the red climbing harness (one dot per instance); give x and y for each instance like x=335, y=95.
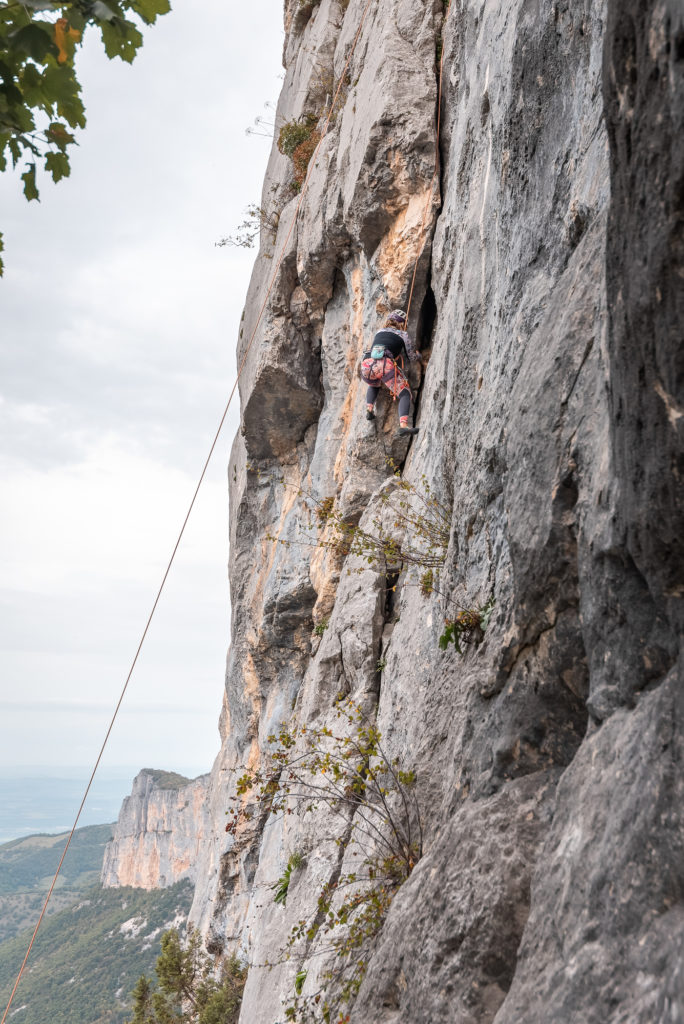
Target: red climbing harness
x=385, y=371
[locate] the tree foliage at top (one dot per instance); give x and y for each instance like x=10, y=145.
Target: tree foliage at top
x=40, y=95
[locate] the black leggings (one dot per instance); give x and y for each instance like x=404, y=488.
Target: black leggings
x=404, y=399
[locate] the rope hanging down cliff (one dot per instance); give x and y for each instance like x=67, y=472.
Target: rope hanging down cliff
x=190, y=508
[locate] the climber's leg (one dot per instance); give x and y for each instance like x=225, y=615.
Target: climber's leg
x=404, y=406
x=371, y=395
x=396, y=383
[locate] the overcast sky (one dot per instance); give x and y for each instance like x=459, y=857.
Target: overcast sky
x=118, y=322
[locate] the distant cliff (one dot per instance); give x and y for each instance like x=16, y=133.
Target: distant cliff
x=156, y=839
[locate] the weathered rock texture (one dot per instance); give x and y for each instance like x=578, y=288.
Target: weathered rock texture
x=549, y=298
x=157, y=836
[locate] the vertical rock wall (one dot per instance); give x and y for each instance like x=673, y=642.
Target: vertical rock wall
x=549, y=300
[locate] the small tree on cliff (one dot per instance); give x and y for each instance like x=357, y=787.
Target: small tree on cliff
x=190, y=990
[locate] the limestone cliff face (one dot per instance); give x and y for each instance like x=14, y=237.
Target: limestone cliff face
x=158, y=833
x=549, y=298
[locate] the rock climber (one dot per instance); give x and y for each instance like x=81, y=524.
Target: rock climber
x=380, y=366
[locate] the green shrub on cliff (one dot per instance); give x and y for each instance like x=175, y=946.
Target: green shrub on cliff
x=294, y=133
x=282, y=886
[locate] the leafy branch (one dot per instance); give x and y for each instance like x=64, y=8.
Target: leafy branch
x=40, y=95
x=373, y=799
x=411, y=530
x=256, y=218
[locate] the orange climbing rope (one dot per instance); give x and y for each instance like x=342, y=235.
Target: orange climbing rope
x=192, y=503
x=436, y=170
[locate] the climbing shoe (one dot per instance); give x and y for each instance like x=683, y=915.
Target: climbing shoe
x=370, y=415
x=405, y=431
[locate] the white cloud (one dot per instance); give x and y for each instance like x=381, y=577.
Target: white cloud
x=114, y=516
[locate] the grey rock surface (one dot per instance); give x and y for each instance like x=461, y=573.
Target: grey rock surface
x=606, y=930
x=462, y=953
x=548, y=305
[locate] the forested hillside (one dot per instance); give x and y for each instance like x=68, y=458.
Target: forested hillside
x=88, y=957
x=27, y=867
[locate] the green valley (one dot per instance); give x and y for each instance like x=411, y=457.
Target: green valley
x=27, y=867
x=88, y=957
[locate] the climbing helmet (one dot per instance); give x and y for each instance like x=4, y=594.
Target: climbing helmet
x=397, y=316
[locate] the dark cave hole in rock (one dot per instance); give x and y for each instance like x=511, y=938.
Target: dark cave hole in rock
x=425, y=327
x=679, y=46
x=426, y=320
x=391, y=595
